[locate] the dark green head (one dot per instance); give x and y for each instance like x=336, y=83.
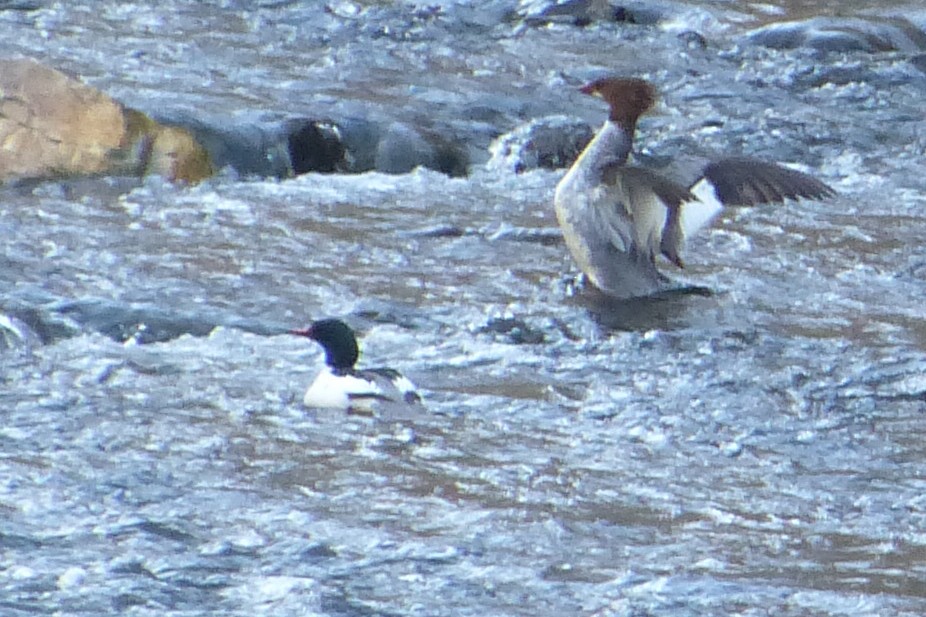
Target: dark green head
x=338, y=340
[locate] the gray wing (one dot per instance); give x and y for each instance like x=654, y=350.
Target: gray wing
x=749, y=182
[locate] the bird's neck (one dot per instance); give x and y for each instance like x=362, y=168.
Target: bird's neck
x=611, y=146
x=341, y=359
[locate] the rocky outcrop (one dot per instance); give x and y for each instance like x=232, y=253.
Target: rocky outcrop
x=52, y=125
x=347, y=145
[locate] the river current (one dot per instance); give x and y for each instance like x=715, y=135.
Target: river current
x=755, y=451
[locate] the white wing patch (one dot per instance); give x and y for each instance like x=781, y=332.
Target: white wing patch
x=404, y=385
x=697, y=214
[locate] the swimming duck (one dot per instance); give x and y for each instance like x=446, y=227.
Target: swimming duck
x=342, y=386
x=617, y=218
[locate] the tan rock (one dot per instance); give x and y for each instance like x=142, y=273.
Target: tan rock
x=52, y=125
x=175, y=154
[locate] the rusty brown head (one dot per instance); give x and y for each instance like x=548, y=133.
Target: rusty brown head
x=628, y=97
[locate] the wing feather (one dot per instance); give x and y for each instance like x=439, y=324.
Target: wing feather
x=649, y=203
x=748, y=182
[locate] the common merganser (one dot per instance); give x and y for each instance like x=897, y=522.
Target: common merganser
x=341, y=386
x=617, y=218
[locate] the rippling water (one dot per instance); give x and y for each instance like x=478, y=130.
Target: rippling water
x=756, y=451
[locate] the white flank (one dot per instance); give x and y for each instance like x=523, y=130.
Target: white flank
x=331, y=391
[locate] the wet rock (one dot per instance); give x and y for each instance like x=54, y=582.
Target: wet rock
x=315, y=146
x=248, y=149
x=546, y=236
x=34, y=323
x=839, y=75
x=842, y=34
x=21, y=5
x=919, y=61
x=361, y=138
x=303, y=145
x=143, y=323
x=692, y=39
x=294, y=147
x=439, y=231
x=552, y=142
x=402, y=149
x=52, y=125
x=451, y=159
x=516, y=330
x=580, y=12
x=176, y=155
x=583, y=12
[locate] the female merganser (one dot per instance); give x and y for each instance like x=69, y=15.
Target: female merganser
x=617, y=218
x=340, y=386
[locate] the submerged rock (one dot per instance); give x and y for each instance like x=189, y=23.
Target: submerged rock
x=578, y=12
x=515, y=330
x=842, y=34
x=322, y=145
x=402, y=148
x=552, y=142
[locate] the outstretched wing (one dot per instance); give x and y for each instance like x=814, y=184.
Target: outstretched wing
x=742, y=182
x=748, y=182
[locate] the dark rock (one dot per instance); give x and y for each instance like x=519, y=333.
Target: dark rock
x=248, y=149
x=360, y=138
x=640, y=13
x=439, y=231
x=21, y=5
x=315, y=145
x=302, y=145
x=841, y=34
x=692, y=39
x=402, y=149
x=919, y=61
x=15, y=333
x=586, y=12
x=579, y=12
x=516, y=330
x=552, y=142
x=451, y=160
x=820, y=75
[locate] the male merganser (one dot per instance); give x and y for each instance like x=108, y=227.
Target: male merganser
x=340, y=386
x=617, y=218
